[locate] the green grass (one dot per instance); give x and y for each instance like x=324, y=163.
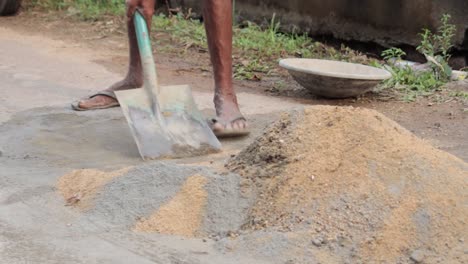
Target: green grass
x=461, y=94
x=187, y=33
x=435, y=46
x=84, y=9
x=256, y=50
x=411, y=84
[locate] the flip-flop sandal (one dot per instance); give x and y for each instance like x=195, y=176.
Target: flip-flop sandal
x=228, y=132
x=76, y=105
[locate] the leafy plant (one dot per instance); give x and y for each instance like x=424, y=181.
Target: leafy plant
x=393, y=53
x=436, y=48
x=438, y=43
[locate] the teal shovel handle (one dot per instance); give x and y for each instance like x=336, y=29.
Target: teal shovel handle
x=147, y=60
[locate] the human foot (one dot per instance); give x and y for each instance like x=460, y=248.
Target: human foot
x=101, y=100
x=104, y=99
x=236, y=127
x=229, y=121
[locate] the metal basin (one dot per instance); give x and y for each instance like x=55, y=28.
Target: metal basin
x=334, y=79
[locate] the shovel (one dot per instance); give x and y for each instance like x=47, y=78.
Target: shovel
x=164, y=120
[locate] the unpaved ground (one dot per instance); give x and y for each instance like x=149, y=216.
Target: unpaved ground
x=42, y=144
x=442, y=122
x=42, y=140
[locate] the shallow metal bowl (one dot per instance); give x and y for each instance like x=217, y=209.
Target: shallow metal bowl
x=334, y=79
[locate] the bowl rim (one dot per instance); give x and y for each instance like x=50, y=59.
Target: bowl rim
x=384, y=74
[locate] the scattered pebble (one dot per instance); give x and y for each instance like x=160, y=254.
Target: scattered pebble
x=417, y=256
x=232, y=234
x=317, y=242
x=73, y=199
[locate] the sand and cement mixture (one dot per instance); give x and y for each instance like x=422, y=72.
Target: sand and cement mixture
x=350, y=184
x=183, y=214
x=320, y=185
x=80, y=187
x=159, y=197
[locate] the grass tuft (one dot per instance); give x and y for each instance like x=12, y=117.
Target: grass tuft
x=84, y=9
x=436, y=48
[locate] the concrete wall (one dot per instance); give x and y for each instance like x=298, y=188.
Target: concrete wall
x=387, y=22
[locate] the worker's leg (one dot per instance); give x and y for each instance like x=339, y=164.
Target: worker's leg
x=217, y=15
x=134, y=78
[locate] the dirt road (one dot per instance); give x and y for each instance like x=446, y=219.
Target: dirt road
x=42, y=139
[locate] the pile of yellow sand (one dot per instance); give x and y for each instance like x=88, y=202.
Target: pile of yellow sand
x=79, y=187
x=183, y=214
x=354, y=177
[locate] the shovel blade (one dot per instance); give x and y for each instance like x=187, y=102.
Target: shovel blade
x=180, y=131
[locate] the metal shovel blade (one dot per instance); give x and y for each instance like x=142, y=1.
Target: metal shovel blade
x=164, y=121
x=182, y=131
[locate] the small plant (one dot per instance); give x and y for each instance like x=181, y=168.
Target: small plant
x=393, y=53
x=436, y=48
x=461, y=94
x=438, y=43
x=413, y=84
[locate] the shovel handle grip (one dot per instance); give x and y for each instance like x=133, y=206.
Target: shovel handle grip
x=150, y=83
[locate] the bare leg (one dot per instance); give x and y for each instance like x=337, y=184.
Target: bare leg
x=217, y=15
x=134, y=77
